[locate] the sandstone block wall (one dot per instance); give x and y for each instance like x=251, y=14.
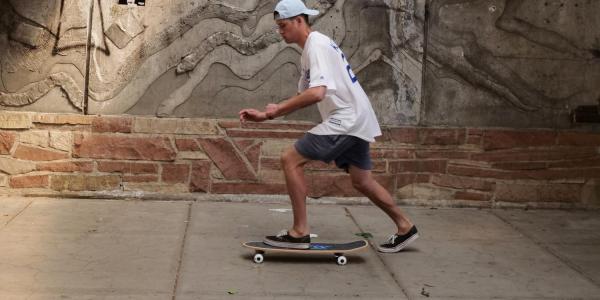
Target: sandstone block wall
x=54, y=154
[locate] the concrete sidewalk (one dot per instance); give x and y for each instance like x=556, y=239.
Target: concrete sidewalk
x=104, y=249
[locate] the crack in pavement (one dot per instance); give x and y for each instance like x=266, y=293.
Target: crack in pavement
x=16, y=215
x=181, y=251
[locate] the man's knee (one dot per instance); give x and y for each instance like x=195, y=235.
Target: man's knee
x=362, y=184
x=286, y=155
x=291, y=157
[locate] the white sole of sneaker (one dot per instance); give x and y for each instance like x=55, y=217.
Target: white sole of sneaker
x=286, y=245
x=400, y=246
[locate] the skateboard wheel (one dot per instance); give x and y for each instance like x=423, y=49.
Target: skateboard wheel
x=258, y=258
x=342, y=260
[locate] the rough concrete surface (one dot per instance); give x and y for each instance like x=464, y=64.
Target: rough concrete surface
x=104, y=249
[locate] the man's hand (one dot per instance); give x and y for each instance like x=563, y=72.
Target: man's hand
x=253, y=115
x=306, y=98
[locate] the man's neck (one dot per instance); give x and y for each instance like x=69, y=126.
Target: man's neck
x=304, y=38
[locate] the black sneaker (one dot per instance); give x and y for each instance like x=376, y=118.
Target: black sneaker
x=396, y=243
x=285, y=240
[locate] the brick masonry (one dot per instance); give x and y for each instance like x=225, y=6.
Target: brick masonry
x=59, y=153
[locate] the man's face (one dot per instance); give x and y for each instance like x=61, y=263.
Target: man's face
x=287, y=28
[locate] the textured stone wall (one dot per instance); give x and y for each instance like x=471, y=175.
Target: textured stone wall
x=195, y=58
x=515, y=63
x=58, y=154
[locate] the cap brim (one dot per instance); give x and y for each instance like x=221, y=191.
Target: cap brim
x=311, y=12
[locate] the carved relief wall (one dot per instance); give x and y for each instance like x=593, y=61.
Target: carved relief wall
x=191, y=58
x=518, y=63
x=515, y=63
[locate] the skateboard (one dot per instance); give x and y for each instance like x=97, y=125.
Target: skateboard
x=337, y=249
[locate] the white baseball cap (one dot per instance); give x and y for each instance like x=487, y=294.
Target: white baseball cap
x=291, y=8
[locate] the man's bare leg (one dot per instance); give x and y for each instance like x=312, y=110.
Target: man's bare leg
x=363, y=181
x=293, y=169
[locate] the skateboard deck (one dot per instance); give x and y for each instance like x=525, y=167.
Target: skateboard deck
x=336, y=249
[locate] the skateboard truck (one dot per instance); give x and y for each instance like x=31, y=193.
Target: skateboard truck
x=340, y=259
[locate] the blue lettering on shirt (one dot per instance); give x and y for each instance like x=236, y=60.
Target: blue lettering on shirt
x=353, y=77
x=306, y=81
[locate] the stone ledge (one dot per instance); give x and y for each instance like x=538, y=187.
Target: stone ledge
x=175, y=126
x=16, y=120
x=63, y=119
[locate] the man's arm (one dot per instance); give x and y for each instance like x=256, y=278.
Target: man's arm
x=306, y=98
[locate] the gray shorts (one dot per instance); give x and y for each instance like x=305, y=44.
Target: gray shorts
x=345, y=150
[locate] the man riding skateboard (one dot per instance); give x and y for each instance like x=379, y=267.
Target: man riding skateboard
x=348, y=126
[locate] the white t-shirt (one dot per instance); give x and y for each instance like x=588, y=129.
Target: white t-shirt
x=346, y=109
